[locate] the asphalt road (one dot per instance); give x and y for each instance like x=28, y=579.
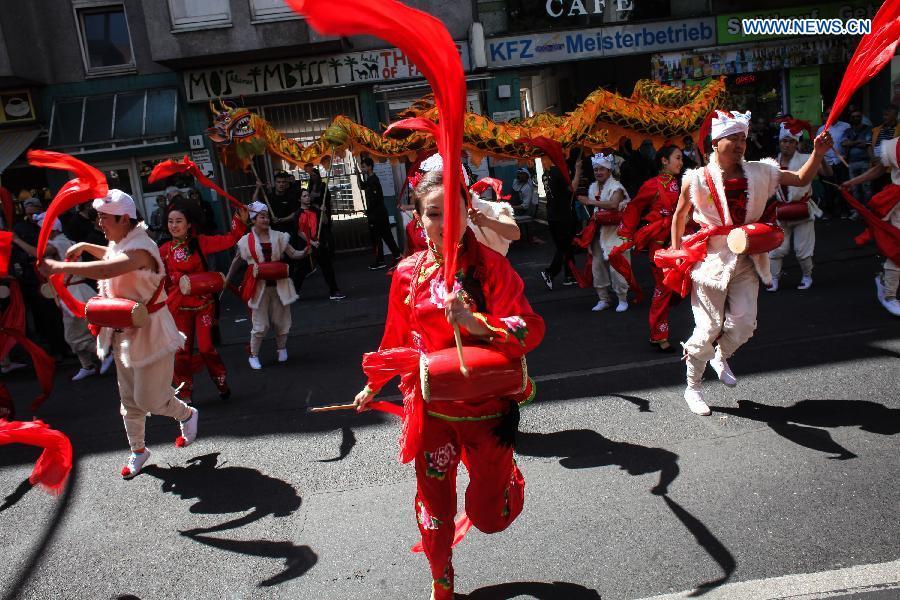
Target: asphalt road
x=789, y=490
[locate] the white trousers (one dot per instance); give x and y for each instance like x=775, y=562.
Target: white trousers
x=803, y=234
x=271, y=313
x=604, y=275
x=891, y=279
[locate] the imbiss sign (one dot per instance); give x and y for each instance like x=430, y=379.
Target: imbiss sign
x=279, y=76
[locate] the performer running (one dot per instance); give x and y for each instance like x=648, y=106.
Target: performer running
x=131, y=267
x=886, y=206
x=494, y=313
x=647, y=224
x=796, y=211
x=727, y=193
x=607, y=197
x=269, y=299
x=195, y=314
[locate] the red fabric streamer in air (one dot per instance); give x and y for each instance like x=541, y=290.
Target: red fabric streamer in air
x=44, y=365
x=554, y=152
x=875, y=50
x=170, y=167
x=7, y=200
x=55, y=463
x=885, y=235
x=426, y=41
x=489, y=182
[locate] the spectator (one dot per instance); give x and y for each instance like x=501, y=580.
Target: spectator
x=284, y=201
x=760, y=141
x=634, y=168
x=377, y=214
x=561, y=220
x=205, y=210
x=524, y=200
x=156, y=228
x=690, y=154
x=855, y=107
x=834, y=204
x=856, y=146
x=82, y=227
x=888, y=129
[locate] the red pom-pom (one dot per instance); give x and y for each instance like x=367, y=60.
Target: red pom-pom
x=126, y=472
x=180, y=442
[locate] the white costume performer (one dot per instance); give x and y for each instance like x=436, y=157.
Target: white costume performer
x=607, y=238
x=494, y=210
x=888, y=282
x=801, y=231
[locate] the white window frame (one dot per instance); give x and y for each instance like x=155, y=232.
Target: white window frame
x=78, y=6
x=269, y=15
x=220, y=21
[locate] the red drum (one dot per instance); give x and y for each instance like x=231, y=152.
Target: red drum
x=792, y=211
x=270, y=271
x=755, y=238
x=491, y=374
x=118, y=313
x=608, y=217
x=200, y=284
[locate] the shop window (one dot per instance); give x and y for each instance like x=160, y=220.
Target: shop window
x=105, y=40
x=199, y=14
x=271, y=10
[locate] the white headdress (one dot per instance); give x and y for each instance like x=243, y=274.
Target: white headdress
x=436, y=163
x=257, y=207
x=785, y=132
x=728, y=123
x=603, y=160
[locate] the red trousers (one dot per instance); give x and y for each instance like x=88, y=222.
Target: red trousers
x=494, y=498
x=662, y=301
x=197, y=325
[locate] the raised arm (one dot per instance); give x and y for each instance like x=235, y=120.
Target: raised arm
x=103, y=269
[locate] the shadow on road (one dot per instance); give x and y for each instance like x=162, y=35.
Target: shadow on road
x=297, y=559
x=802, y=422
x=221, y=490
x=716, y=550
x=348, y=440
x=585, y=449
x=17, y=494
x=538, y=590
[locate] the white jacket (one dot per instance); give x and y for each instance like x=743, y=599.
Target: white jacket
x=285, y=287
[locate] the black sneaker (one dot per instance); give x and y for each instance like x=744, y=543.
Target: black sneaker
x=337, y=296
x=569, y=281
x=548, y=281
x=377, y=266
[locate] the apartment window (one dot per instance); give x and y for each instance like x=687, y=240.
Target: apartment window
x=105, y=41
x=199, y=14
x=271, y=10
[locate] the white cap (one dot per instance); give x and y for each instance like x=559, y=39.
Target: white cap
x=436, y=163
x=116, y=202
x=172, y=191
x=603, y=160
x=787, y=133
x=728, y=123
x=257, y=207
x=39, y=221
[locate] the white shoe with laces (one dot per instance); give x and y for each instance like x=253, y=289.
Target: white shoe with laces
x=805, y=283
x=720, y=366
x=134, y=464
x=622, y=307
x=188, y=430
x=254, y=363
x=694, y=399
x=282, y=355
x=601, y=305
x=84, y=373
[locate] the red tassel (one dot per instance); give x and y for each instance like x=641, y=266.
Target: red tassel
x=180, y=442
x=874, y=51
x=554, y=152
x=44, y=365
x=170, y=167
x=53, y=467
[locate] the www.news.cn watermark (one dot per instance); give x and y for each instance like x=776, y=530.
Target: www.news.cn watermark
x=806, y=26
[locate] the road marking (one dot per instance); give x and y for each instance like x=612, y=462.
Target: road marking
x=850, y=581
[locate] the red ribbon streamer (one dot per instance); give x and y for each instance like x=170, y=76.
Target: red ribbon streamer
x=170, y=167
x=489, y=182
x=55, y=463
x=885, y=235
x=554, y=152
x=44, y=365
x=7, y=200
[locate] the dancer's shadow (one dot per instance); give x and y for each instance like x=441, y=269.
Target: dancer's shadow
x=297, y=559
x=16, y=495
x=802, y=423
x=642, y=403
x=585, y=448
x=348, y=440
x=223, y=490
x=709, y=542
x=538, y=590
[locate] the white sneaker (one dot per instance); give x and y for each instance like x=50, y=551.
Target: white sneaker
x=188, y=430
x=84, y=373
x=134, y=464
x=720, y=366
x=694, y=399
x=106, y=364
x=254, y=363
x=282, y=355
x=805, y=283
x=879, y=290
x=13, y=366
x=601, y=305
x=773, y=287
x=892, y=306
x=622, y=307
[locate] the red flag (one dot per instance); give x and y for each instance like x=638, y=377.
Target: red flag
x=874, y=51
x=170, y=167
x=554, y=152
x=53, y=466
x=44, y=365
x=425, y=40
x=489, y=182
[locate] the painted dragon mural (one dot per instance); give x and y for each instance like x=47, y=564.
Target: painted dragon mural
x=653, y=111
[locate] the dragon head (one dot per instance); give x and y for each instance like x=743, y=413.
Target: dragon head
x=237, y=133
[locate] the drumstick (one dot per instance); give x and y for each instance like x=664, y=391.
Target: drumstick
x=459, y=351
x=351, y=406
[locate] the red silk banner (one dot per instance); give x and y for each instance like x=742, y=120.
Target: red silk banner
x=170, y=167
x=53, y=466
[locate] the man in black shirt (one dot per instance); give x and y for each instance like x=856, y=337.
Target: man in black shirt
x=284, y=201
x=561, y=220
x=377, y=214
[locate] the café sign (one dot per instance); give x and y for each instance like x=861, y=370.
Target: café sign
x=580, y=8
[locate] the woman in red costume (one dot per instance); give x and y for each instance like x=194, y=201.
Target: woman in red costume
x=195, y=316
x=491, y=310
x=646, y=224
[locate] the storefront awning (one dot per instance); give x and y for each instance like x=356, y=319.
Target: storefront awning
x=13, y=144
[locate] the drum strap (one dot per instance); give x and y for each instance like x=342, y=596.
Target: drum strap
x=714, y=194
x=251, y=245
x=153, y=305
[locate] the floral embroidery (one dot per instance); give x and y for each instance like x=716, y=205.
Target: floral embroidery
x=440, y=297
x=425, y=519
x=517, y=327
x=439, y=461
x=446, y=581
x=206, y=320
x=180, y=255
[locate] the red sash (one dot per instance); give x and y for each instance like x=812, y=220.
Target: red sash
x=248, y=286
